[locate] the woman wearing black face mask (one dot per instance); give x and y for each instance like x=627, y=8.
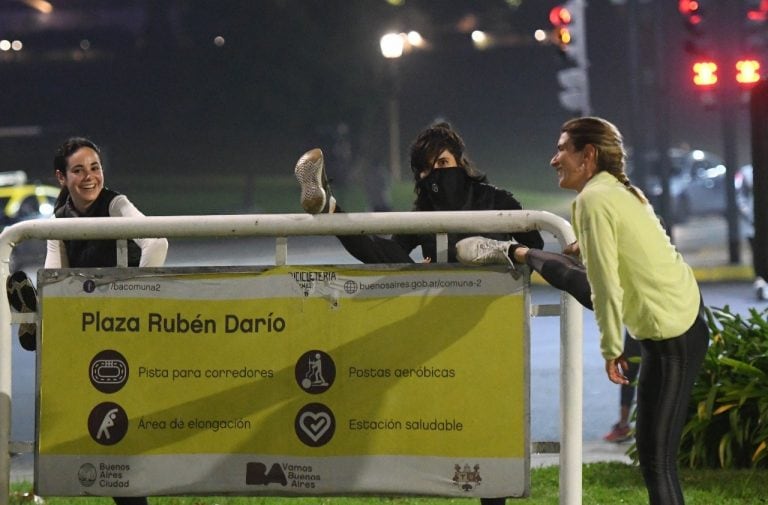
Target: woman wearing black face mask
x=445, y=181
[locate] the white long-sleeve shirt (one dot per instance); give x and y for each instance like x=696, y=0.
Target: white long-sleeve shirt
x=153, y=250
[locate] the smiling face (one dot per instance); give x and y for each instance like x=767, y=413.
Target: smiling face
x=574, y=168
x=83, y=177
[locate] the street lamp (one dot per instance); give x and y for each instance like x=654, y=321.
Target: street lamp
x=392, y=45
x=392, y=48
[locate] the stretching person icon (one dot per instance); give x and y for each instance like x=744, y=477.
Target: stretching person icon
x=107, y=423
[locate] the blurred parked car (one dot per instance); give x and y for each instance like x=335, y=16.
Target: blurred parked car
x=20, y=201
x=697, y=186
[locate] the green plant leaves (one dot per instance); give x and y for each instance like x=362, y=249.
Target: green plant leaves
x=728, y=412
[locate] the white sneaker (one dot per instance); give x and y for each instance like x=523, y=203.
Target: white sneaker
x=315, y=193
x=483, y=251
x=761, y=288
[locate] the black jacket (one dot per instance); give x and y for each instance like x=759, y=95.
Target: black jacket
x=482, y=196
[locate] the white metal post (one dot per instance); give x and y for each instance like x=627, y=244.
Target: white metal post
x=571, y=400
x=6, y=351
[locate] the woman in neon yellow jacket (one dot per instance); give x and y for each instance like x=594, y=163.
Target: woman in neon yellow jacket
x=634, y=278
x=638, y=280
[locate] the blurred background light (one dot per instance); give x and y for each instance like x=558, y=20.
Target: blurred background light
x=40, y=5
x=415, y=39
x=392, y=45
x=480, y=39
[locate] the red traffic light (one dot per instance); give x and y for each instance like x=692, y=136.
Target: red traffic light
x=560, y=16
x=747, y=72
x=688, y=7
x=759, y=14
x=705, y=73
x=691, y=10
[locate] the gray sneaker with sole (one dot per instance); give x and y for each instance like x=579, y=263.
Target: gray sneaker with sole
x=316, y=195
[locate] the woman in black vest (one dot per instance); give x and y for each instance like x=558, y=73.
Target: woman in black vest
x=78, y=169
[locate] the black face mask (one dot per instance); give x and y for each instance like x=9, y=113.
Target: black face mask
x=446, y=188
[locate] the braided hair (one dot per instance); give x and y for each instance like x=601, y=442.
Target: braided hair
x=610, y=155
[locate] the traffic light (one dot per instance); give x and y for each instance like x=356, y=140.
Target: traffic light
x=568, y=30
x=569, y=34
x=693, y=17
x=563, y=37
x=757, y=11
x=747, y=72
x=704, y=74
x=691, y=11
x=756, y=26
x=748, y=68
x=560, y=17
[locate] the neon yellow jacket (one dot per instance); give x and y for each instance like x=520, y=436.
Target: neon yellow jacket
x=637, y=276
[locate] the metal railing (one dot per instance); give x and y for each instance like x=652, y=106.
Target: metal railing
x=282, y=226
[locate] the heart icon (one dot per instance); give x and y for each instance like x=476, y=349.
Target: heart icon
x=315, y=424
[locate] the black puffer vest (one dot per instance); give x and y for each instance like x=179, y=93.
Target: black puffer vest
x=95, y=253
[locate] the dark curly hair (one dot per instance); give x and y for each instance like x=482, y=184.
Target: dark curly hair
x=428, y=146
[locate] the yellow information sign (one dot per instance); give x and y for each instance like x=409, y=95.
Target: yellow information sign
x=283, y=381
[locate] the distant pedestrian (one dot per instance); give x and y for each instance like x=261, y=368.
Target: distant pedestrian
x=745, y=204
x=622, y=430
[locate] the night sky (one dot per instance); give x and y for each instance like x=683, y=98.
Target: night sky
x=155, y=91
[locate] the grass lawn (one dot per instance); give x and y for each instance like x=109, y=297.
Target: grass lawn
x=603, y=484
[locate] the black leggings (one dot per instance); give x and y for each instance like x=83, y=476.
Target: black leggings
x=562, y=272
x=670, y=368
